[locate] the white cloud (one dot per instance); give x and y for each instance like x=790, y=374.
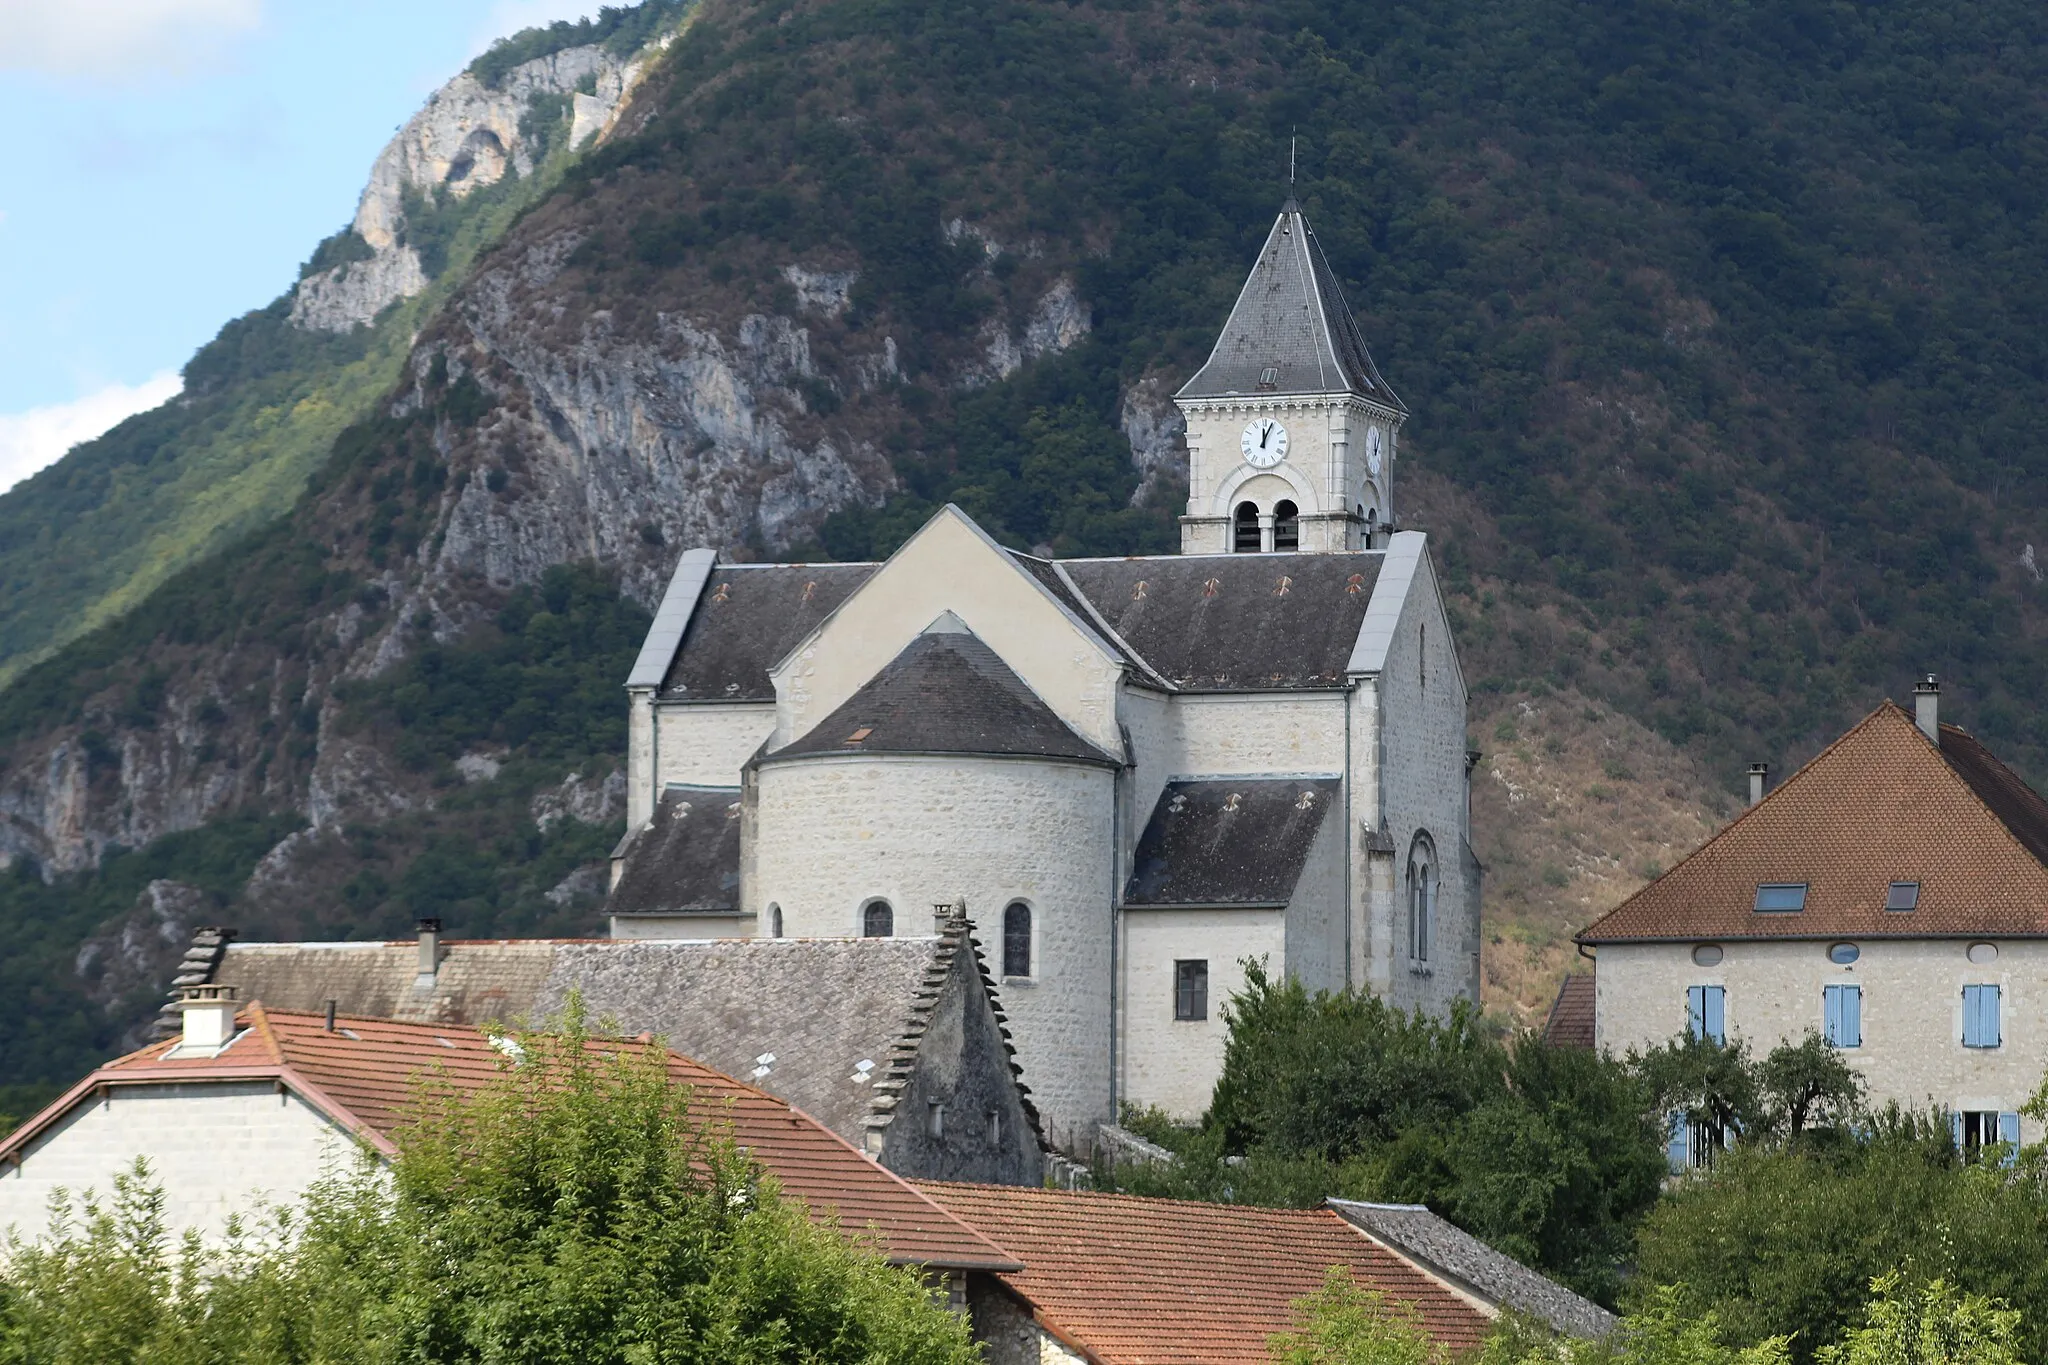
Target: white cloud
x=115, y=39
x=32, y=440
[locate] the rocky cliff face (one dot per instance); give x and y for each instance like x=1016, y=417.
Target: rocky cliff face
x=468, y=136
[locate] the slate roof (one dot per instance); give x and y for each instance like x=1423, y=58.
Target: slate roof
x=1232, y=623
x=1880, y=804
x=1291, y=317
x=1161, y=1281
x=1571, y=1015
x=820, y=1006
x=946, y=693
x=1229, y=841
x=746, y=619
x=1411, y=1230
x=686, y=860
x=362, y=1076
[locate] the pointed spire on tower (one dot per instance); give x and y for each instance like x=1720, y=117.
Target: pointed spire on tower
x=1291, y=331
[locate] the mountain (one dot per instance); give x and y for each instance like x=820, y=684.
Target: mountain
x=91, y=536
x=1718, y=323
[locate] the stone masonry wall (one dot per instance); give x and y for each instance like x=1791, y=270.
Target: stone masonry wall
x=1174, y=1063
x=835, y=833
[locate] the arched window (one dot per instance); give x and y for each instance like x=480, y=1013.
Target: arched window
x=774, y=920
x=1422, y=891
x=1244, y=529
x=1017, y=939
x=1372, y=525
x=1286, y=526
x=878, y=920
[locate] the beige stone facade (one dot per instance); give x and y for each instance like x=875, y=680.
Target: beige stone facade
x=1911, y=1045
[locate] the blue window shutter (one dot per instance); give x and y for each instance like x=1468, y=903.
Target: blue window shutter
x=1955, y=1129
x=2009, y=1133
x=1831, y=1014
x=1852, y=1016
x=1675, y=1150
x=1991, y=1019
x=1717, y=1013
x=1696, y=1011
x=1973, y=1016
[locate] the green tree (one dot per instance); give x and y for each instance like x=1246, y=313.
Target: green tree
x=578, y=1207
x=1345, y=1323
x=1808, y=1082
x=1713, y=1084
x=1935, y=1324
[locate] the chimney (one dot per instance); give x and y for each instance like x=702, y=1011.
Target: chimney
x=430, y=948
x=209, y=1021
x=1927, y=708
x=1759, y=781
x=330, y=1015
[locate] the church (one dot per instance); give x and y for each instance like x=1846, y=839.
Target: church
x=1133, y=776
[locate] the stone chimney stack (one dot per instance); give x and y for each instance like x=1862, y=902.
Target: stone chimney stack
x=1927, y=708
x=1759, y=781
x=430, y=948
x=209, y=1017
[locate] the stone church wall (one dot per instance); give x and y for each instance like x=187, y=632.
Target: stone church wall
x=1173, y=1063
x=834, y=834
x=1265, y=732
x=705, y=744
x=1424, y=781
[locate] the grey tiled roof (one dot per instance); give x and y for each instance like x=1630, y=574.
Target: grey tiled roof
x=946, y=693
x=1413, y=1231
x=1225, y=623
x=747, y=617
x=1290, y=318
x=1229, y=841
x=686, y=859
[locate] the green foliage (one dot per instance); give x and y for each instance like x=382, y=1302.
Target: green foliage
x=1935, y=1325
x=1809, y=1082
x=1546, y=1153
x=1786, y=1239
x=579, y=1207
x=51, y=1031
x=622, y=29
x=1345, y=1323
x=542, y=678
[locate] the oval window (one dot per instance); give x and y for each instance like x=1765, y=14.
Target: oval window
x=1842, y=954
x=1981, y=953
x=1707, y=955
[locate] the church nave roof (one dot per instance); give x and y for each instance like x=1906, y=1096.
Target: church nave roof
x=1229, y=841
x=745, y=619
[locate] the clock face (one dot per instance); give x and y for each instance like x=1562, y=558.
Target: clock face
x=1374, y=450
x=1264, y=443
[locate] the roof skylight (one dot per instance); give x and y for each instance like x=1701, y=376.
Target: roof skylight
x=1780, y=898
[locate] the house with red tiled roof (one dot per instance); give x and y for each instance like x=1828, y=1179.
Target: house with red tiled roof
x=253, y=1104
x=1891, y=895
x=1116, y=1279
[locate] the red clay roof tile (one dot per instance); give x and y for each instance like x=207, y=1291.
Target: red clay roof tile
x=1881, y=804
x=362, y=1075
x=1136, y=1281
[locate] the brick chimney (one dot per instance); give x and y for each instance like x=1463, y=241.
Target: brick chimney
x=1927, y=708
x=209, y=1017
x=1759, y=781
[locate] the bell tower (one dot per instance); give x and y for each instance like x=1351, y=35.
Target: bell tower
x=1291, y=430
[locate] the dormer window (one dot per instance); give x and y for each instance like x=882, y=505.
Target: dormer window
x=1902, y=896
x=1269, y=379
x=1780, y=898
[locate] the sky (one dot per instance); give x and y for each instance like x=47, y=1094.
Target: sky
x=167, y=166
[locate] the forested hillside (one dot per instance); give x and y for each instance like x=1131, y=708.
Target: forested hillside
x=1718, y=324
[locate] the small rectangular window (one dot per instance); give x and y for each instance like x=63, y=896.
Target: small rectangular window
x=1191, y=988
x=1980, y=1016
x=995, y=1128
x=935, y=1117
x=1706, y=1013
x=1902, y=896
x=1975, y=1129
x=1780, y=898
x=1842, y=1010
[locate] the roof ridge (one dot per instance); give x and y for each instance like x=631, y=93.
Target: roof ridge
x=2003, y=824
x=259, y=1021
x=1887, y=706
